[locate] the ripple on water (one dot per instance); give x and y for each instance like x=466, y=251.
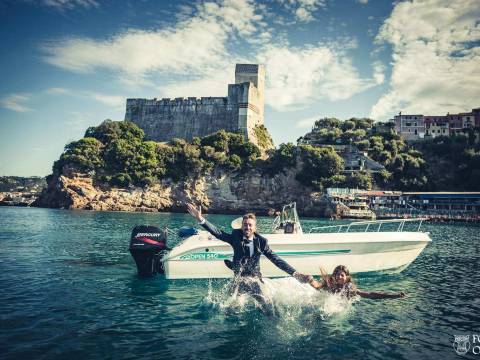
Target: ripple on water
x=69, y=289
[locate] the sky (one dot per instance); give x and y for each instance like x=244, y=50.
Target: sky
x=66, y=65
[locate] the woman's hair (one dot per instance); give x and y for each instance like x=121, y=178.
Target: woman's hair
x=330, y=279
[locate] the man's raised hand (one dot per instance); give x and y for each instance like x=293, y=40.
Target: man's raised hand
x=195, y=212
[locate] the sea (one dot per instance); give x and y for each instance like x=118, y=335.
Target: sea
x=69, y=289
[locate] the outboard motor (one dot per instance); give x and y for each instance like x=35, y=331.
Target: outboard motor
x=148, y=244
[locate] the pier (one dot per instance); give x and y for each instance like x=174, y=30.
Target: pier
x=435, y=206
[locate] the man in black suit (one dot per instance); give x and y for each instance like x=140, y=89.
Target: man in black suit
x=247, y=246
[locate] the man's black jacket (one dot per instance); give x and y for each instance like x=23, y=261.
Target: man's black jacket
x=243, y=264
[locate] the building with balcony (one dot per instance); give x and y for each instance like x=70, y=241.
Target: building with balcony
x=436, y=126
x=468, y=120
x=410, y=127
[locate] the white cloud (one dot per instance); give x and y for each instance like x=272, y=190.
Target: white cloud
x=362, y=1
x=306, y=123
x=298, y=76
x=295, y=76
x=57, y=91
x=71, y=4
x=197, y=44
x=436, y=58
x=16, y=102
x=62, y=5
x=115, y=101
x=303, y=10
x=196, y=57
x=80, y=120
x=379, y=72
x=213, y=84
x=303, y=14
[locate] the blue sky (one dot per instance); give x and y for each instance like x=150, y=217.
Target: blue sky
x=70, y=64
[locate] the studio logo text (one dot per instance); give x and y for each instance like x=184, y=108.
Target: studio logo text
x=462, y=344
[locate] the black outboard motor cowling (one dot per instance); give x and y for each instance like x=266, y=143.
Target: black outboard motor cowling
x=148, y=244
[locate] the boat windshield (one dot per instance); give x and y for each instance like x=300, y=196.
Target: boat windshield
x=287, y=222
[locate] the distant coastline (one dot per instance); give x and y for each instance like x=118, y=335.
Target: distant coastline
x=114, y=168
x=20, y=191
x=23, y=192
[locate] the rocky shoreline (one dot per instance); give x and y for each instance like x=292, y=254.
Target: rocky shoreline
x=217, y=193
x=20, y=191
x=18, y=198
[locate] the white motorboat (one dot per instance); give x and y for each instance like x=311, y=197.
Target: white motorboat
x=365, y=246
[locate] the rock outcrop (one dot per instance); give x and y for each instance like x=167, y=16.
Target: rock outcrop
x=17, y=198
x=20, y=191
x=217, y=193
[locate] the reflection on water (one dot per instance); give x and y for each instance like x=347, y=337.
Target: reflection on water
x=70, y=289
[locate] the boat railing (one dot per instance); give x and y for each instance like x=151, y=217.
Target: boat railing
x=288, y=214
x=370, y=226
x=276, y=222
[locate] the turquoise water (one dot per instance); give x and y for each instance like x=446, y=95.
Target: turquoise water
x=69, y=289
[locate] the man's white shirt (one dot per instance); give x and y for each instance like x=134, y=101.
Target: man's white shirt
x=249, y=244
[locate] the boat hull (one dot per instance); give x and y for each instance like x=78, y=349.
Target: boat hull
x=201, y=256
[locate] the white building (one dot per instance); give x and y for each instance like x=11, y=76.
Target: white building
x=436, y=126
x=410, y=127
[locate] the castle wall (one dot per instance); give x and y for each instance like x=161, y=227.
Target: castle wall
x=241, y=110
x=165, y=119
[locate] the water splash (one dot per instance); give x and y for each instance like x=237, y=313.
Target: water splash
x=228, y=298
x=296, y=308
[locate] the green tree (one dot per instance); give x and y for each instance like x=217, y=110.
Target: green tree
x=138, y=160
x=319, y=165
x=362, y=123
x=85, y=154
x=351, y=136
x=280, y=159
x=348, y=125
x=185, y=161
x=327, y=123
x=362, y=145
x=263, y=137
x=246, y=150
x=234, y=162
x=359, y=180
x=111, y=130
x=218, y=140
x=408, y=172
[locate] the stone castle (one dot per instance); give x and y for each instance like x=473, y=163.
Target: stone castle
x=186, y=118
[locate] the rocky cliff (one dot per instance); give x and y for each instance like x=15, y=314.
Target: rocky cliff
x=217, y=193
x=20, y=191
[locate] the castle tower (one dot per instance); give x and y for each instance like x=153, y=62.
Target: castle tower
x=252, y=104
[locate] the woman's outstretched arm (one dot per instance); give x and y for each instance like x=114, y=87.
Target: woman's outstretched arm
x=315, y=283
